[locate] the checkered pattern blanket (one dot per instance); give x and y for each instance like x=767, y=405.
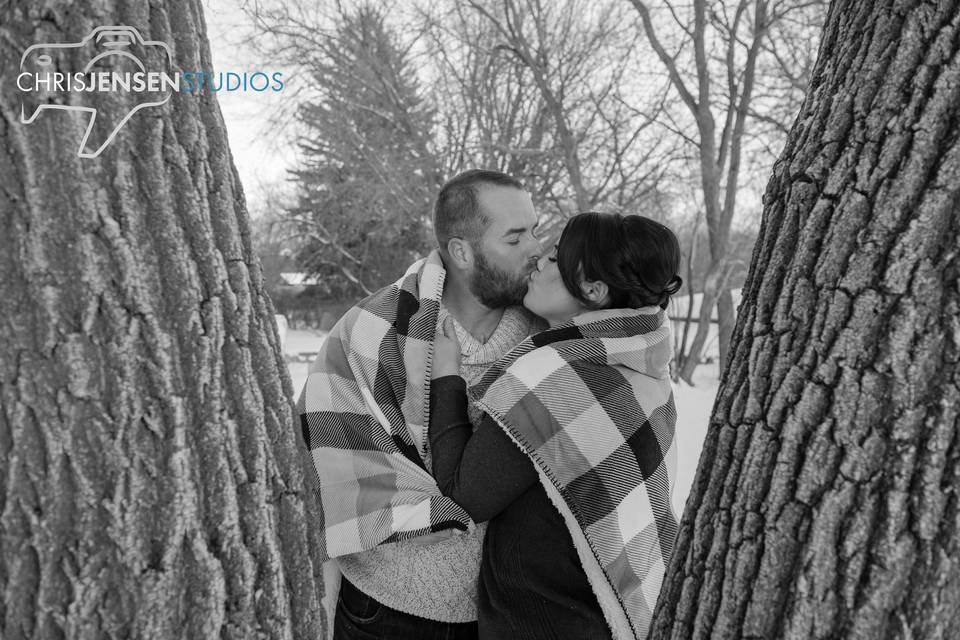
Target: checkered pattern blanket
x=590, y=402
x=364, y=416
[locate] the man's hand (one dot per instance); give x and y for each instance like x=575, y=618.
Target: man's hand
x=446, y=351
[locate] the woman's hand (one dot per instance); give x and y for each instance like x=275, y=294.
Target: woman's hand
x=446, y=351
x=433, y=538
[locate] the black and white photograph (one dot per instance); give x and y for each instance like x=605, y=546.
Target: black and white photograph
x=480, y=319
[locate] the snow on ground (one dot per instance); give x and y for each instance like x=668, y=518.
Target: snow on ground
x=301, y=347
x=693, y=405
x=693, y=414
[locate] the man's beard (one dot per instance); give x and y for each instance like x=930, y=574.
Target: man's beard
x=495, y=287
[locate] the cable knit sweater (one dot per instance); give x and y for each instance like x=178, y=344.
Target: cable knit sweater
x=438, y=581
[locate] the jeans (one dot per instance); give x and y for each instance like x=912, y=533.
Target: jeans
x=360, y=617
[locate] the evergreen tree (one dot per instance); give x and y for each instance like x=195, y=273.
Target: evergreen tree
x=368, y=176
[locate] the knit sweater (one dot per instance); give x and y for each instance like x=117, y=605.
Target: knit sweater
x=438, y=581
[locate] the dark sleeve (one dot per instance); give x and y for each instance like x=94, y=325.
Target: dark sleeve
x=482, y=471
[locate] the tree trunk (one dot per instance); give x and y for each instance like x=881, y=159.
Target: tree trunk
x=726, y=316
x=715, y=295
x=681, y=354
x=150, y=478
x=826, y=503
x=692, y=359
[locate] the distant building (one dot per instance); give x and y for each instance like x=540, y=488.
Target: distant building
x=295, y=279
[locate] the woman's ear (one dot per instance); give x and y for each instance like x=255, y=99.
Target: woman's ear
x=597, y=292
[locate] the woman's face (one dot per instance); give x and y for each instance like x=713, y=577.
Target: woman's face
x=547, y=296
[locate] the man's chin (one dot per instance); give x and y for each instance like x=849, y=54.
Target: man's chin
x=495, y=290
x=522, y=294
x=499, y=301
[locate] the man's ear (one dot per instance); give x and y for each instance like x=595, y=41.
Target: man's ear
x=596, y=292
x=460, y=252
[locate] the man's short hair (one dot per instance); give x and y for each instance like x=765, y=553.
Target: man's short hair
x=457, y=213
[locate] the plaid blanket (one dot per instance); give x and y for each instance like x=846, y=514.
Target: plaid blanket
x=364, y=416
x=590, y=402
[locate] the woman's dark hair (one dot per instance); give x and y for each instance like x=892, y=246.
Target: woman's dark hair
x=638, y=259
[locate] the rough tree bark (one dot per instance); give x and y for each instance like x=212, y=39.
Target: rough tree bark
x=825, y=505
x=150, y=479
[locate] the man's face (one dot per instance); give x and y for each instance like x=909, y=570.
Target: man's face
x=508, y=250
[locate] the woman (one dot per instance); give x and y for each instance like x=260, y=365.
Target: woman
x=573, y=462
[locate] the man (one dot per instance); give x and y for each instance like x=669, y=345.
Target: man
x=365, y=414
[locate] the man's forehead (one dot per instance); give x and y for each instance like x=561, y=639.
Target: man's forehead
x=507, y=207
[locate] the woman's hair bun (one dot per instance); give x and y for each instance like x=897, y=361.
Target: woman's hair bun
x=673, y=286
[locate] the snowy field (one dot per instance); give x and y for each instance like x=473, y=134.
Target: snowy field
x=693, y=405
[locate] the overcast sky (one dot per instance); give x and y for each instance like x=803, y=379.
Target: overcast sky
x=262, y=155
x=262, y=159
